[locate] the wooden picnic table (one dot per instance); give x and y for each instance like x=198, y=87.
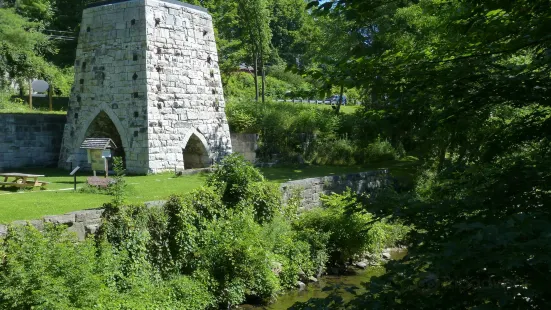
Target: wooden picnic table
x=22, y=180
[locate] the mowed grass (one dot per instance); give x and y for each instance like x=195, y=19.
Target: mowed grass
x=59, y=198
x=347, y=109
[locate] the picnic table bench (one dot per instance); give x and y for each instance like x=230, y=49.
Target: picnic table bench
x=22, y=180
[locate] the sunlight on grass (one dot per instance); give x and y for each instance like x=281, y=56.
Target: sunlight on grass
x=59, y=197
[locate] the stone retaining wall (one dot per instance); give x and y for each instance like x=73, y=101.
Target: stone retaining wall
x=245, y=144
x=87, y=222
x=81, y=223
x=30, y=140
x=311, y=189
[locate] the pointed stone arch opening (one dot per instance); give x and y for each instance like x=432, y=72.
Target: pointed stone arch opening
x=103, y=127
x=195, y=153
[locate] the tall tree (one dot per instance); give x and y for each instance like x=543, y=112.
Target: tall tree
x=229, y=31
x=255, y=16
x=22, y=47
x=293, y=29
x=329, y=54
x=469, y=83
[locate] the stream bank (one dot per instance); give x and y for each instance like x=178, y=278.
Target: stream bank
x=316, y=290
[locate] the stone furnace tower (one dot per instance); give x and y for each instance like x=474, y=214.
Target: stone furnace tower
x=147, y=76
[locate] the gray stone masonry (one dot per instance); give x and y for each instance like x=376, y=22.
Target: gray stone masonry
x=82, y=223
x=87, y=222
x=310, y=190
x=30, y=140
x=245, y=144
x=152, y=67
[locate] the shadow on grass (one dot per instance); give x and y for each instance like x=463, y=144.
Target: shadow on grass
x=405, y=169
x=48, y=172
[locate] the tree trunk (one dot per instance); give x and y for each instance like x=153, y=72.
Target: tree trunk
x=21, y=91
x=442, y=153
x=30, y=94
x=340, y=100
x=256, y=75
x=263, y=79
x=50, y=94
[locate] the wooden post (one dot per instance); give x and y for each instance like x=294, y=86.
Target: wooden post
x=50, y=93
x=31, y=94
x=106, y=167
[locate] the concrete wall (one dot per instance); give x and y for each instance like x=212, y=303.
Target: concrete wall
x=245, y=144
x=88, y=221
x=30, y=140
x=310, y=190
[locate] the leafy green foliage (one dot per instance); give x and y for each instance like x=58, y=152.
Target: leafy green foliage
x=290, y=131
x=232, y=178
x=333, y=152
x=236, y=260
x=379, y=150
x=197, y=252
x=464, y=84
x=21, y=48
x=47, y=271
x=350, y=231
x=118, y=188
x=265, y=199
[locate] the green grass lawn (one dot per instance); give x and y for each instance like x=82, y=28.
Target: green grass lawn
x=59, y=198
x=40, y=105
x=285, y=174
x=347, y=109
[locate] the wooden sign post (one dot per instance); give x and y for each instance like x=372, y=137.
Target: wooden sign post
x=74, y=174
x=98, y=149
x=106, y=154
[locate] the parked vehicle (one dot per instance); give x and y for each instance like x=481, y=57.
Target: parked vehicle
x=335, y=99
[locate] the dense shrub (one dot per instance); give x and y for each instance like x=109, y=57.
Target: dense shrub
x=232, y=178
x=347, y=229
x=264, y=198
x=292, y=132
x=333, y=152
x=233, y=261
x=211, y=248
x=348, y=234
x=379, y=150
x=286, y=130
x=240, y=85
x=292, y=252
x=47, y=271
x=51, y=270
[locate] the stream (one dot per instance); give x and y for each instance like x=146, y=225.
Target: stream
x=315, y=290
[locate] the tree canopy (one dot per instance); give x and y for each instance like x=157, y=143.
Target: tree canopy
x=466, y=85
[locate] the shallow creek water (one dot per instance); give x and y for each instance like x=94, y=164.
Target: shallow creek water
x=315, y=290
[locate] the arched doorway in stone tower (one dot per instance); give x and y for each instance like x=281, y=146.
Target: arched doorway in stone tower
x=195, y=153
x=103, y=127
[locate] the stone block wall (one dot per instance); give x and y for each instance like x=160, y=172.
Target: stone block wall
x=82, y=223
x=87, y=222
x=245, y=144
x=186, y=106
x=30, y=140
x=152, y=67
x=310, y=190
x=110, y=78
